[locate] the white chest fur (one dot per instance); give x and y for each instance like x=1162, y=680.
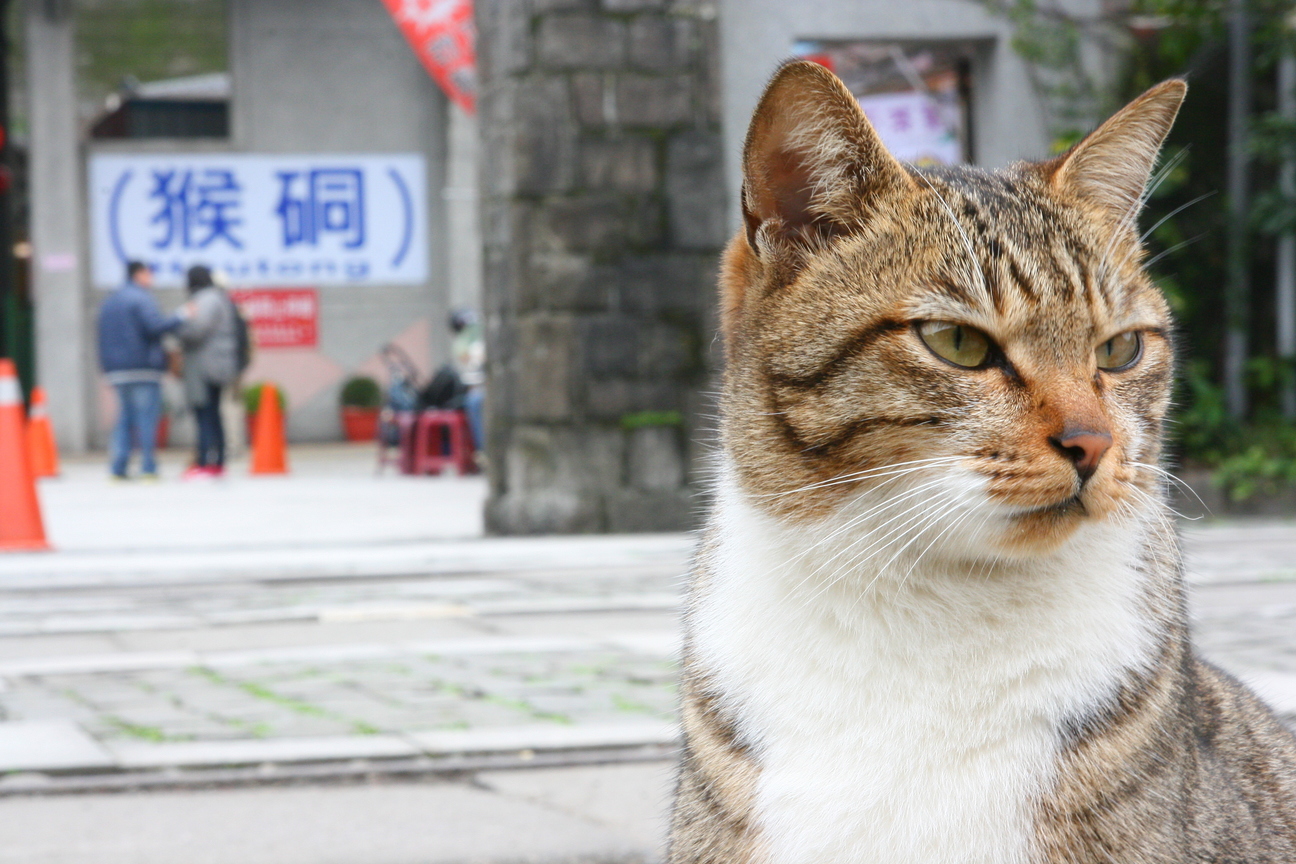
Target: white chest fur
x=915, y=721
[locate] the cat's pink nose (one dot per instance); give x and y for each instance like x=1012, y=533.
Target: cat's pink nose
x=1084, y=447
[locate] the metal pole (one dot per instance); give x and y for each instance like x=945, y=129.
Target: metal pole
x=1286, y=276
x=1238, y=288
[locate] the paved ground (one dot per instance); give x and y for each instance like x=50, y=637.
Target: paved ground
x=603, y=814
x=308, y=638
x=271, y=634
x=330, y=667
x=87, y=514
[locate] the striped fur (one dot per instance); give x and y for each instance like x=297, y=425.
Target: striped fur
x=920, y=628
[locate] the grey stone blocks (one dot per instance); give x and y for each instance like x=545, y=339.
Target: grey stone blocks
x=694, y=179
x=665, y=44
x=604, y=213
x=654, y=460
x=580, y=41
x=625, y=163
x=654, y=100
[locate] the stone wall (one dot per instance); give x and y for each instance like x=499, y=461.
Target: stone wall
x=603, y=209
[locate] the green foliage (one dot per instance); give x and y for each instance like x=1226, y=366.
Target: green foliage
x=642, y=419
x=361, y=392
x=1065, y=141
x=1258, y=457
x=1203, y=429
x=252, y=397
x=1273, y=138
x=147, y=40
x=1266, y=467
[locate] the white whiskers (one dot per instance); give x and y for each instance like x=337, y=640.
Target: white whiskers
x=906, y=525
x=1136, y=207
x=867, y=474
x=850, y=548
x=1157, y=469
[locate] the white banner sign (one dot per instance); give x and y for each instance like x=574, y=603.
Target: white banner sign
x=264, y=220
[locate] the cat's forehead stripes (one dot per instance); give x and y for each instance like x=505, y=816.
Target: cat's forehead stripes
x=1024, y=244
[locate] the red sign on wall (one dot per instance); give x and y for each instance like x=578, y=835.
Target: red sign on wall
x=443, y=35
x=281, y=317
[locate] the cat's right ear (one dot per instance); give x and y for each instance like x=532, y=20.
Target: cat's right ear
x=812, y=162
x=1111, y=166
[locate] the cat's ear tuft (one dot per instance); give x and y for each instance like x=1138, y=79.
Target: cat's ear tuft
x=811, y=159
x=1111, y=166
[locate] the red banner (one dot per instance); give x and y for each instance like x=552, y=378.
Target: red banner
x=280, y=317
x=444, y=38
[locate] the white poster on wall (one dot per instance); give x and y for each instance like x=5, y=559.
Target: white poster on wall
x=916, y=127
x=318, y=219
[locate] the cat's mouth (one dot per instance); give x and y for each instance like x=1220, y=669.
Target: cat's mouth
x=1072, y=506
x=1039, y=529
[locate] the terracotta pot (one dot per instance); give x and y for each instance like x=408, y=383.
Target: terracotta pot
x=360, y=424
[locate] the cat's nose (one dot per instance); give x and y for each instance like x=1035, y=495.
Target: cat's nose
x=1084, y=447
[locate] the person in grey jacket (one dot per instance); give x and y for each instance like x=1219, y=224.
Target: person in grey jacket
x=209, y=336
x=130, y=329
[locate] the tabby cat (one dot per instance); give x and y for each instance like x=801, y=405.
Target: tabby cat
x=938, y=614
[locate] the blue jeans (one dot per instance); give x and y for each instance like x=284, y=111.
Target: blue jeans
x=474, y=401
x=139, y=407
x=211, y=435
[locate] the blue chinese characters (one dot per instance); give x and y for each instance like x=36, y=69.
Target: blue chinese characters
x=267, y=220
x=195, y=211
x=320, y=201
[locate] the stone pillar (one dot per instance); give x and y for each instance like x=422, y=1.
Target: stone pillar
x=64, y=360
x=603, y=213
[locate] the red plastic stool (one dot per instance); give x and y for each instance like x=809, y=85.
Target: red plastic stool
x=442, y=440
x=404, y=421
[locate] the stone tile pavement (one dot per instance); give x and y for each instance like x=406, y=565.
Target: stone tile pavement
x=218, y=681
x=369, y=692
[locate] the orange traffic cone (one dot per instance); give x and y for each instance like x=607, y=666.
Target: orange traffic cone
x=269, y=450
x=21, y=529
x=42, y=451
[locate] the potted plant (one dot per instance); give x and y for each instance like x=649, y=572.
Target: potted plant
x=361, y=400
x=252, y=401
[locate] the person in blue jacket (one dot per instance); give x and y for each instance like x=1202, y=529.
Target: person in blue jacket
x=131, y=326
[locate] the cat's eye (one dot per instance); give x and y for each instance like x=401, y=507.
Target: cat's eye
x=957, y=343
x=1120, y=351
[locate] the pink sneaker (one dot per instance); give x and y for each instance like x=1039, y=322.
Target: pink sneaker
x=196, y=472
x=215, y=471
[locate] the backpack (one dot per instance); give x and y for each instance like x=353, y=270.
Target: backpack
x=242, y=337
x=445, y=391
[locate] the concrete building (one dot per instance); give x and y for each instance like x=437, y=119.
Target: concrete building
x=313, y=80
x=1004, y=114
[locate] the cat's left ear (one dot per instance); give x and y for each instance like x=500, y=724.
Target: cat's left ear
x=1111, y=166
x=812, y=162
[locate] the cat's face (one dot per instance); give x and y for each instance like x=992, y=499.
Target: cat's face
x=987, y=338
